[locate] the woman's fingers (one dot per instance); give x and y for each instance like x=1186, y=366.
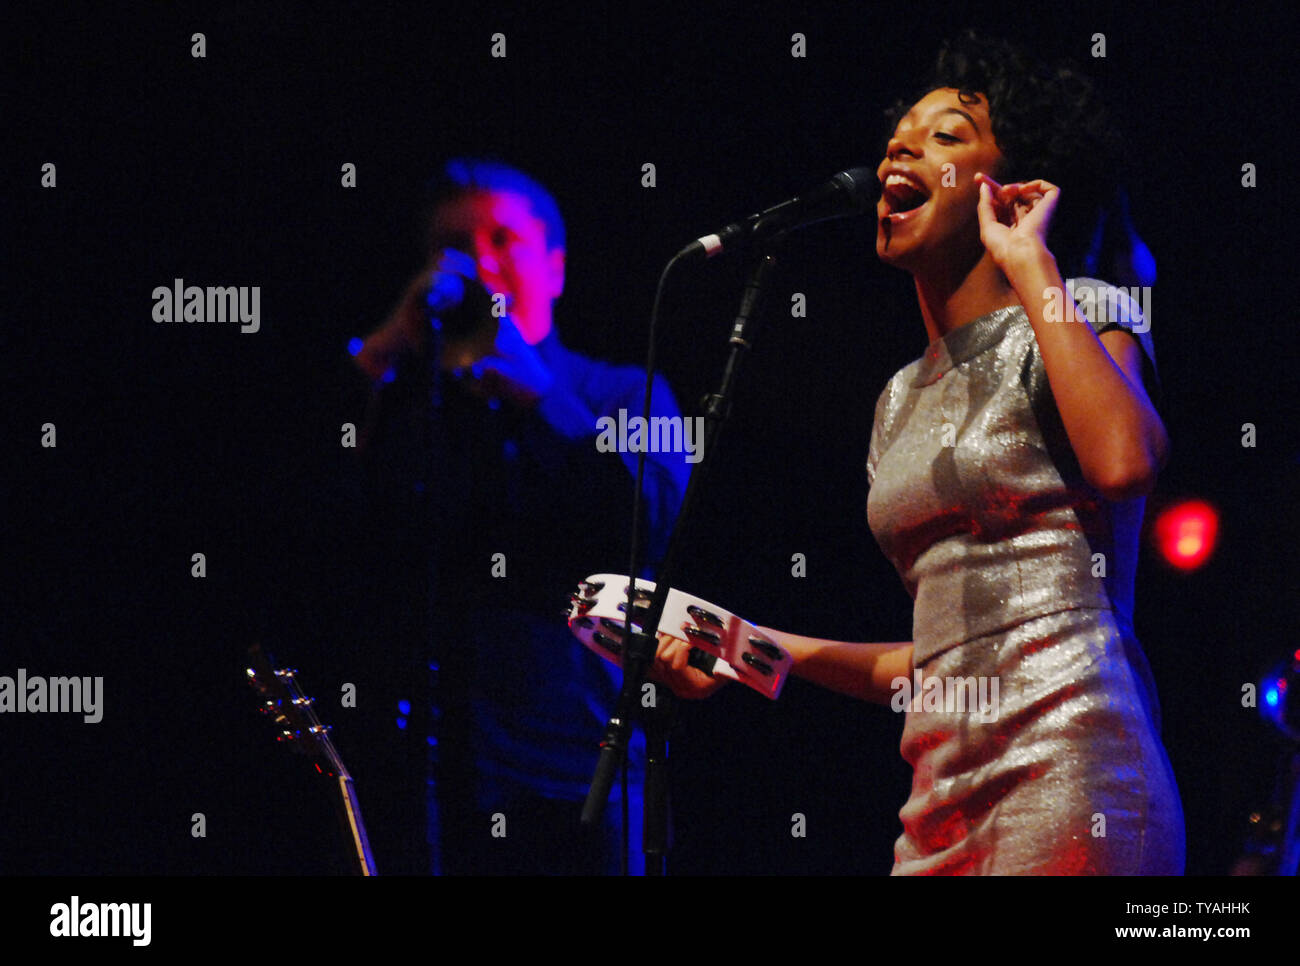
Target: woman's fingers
x=1003, y=194
x=672, y=653
x=1009, y=204
x=1038, y=186
x=681, y=654
x=996, y=204
x=671, y=667
x=669, y=651
x=1016, y=191
x=988, y=213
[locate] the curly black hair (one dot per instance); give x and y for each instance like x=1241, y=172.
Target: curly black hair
x=1048, y=121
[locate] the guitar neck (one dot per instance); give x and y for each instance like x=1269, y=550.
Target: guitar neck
x=349, y=806
x=351, y=809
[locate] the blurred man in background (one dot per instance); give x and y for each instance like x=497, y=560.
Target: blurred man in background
x=482, y=457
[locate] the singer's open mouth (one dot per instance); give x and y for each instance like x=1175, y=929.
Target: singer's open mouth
x=902, y=195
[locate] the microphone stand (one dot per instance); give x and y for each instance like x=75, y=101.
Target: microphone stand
x=437, y=753
x=639, y=647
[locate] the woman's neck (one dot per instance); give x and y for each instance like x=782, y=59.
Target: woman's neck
x=951, y=299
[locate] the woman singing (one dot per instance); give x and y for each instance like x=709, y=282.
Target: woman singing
x=1008, y=469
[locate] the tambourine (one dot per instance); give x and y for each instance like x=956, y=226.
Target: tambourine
x=722, y=644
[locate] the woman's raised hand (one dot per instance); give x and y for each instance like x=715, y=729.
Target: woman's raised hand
x=1014, y=218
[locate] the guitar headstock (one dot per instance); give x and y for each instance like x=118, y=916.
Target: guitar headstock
x=283, y=700
x=295, y=719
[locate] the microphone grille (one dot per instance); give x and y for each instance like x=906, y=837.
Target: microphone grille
x=861, y=186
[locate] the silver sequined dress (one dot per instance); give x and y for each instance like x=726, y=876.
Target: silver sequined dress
x=1022, y=577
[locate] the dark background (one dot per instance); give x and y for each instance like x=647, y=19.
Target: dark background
x=180, y=438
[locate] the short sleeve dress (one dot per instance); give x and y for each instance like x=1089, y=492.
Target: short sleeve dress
x=1022, y=576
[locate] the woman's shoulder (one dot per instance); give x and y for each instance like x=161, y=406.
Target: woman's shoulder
x=1108, y=306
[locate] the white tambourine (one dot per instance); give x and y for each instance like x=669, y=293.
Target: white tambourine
x=733, y=647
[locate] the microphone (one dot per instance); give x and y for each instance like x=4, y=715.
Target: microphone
x=851, y=192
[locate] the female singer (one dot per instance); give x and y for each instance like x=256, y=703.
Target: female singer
x=1008, y=469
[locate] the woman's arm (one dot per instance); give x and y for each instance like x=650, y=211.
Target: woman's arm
x=1097, y=384
x=1114, y=429
x=863, y=671
x=859, y=670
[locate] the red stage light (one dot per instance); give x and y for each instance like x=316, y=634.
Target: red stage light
x=1186, y=533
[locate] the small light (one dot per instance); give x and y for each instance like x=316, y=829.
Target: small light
x=354, y=345
x=1186, y=534
x=1279, y=706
